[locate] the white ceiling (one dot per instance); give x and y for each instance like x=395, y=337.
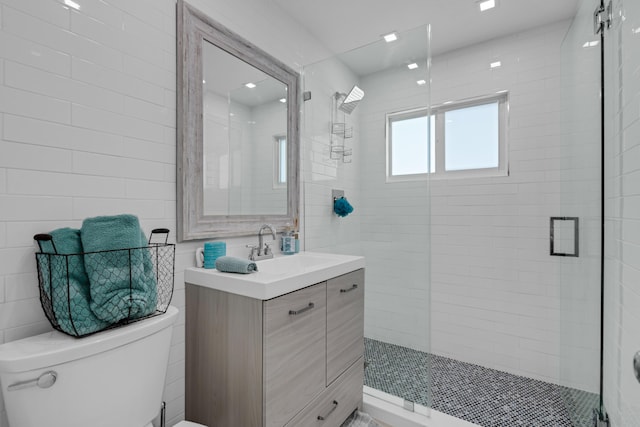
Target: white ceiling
x=343, y=25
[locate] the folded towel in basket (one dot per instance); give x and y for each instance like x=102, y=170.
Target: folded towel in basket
x=120, y=269
x=67, y=285
x=229, y=264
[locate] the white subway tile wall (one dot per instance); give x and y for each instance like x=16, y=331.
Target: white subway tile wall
x=324, y=230
x=87, y=127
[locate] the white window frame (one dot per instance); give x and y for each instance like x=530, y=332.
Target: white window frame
x=439, y=113
x=403, y=115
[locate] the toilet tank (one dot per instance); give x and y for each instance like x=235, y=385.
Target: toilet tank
x=112, y=378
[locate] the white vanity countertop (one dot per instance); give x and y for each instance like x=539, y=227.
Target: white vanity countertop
x=277, y=276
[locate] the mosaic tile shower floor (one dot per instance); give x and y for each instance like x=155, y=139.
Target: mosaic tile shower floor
x=474, y=393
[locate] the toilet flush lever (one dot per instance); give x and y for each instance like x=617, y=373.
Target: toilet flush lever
x=45, y=380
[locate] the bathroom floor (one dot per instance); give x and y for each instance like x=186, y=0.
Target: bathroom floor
x=474, y=393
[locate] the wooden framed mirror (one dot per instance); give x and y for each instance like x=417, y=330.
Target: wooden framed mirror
x=238, y=133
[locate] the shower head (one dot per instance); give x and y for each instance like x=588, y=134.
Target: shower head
x=350, y=101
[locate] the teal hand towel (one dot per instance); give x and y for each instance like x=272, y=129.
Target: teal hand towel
x=229, y=264
x=120, y=269
x=67, y=285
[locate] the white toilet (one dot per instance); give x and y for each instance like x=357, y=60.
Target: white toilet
x=112, y=378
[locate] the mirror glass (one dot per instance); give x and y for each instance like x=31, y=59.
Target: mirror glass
x=238, y=133
x=244, y=137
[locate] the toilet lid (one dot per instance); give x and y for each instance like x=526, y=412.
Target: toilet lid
x=188, y=424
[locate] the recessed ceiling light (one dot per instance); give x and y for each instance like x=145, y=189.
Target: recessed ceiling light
x=283, y=100
x=496, y=64
x=391, y=37
x=412, y=66
x=591, y=43
x=422, y=82
x=204, y=81
x=487, y=4
x=250, y=85
x=72, y=4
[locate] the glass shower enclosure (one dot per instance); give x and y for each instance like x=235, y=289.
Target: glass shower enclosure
x=506, y=271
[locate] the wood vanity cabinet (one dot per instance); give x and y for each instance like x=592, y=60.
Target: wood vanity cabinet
x=294, y=360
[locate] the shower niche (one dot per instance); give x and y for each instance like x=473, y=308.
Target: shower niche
x=341, y=130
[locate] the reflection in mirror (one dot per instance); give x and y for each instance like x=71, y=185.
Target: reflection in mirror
x=238, y=133
x=244, y=117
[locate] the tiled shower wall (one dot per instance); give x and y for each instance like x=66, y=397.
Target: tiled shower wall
x=395, y=220
x=87, y=127
x=325, y=231
x=622, y=265
x=496, y=293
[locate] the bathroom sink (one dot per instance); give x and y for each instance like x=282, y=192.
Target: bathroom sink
x=277, y=276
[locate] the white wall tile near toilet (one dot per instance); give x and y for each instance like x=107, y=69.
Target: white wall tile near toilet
x=17, y=287
x=87, y=127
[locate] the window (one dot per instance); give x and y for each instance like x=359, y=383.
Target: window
x=409, y=149
x=280, y=164
x=465, y=139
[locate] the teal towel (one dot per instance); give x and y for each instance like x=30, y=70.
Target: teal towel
x=229, y=264
x=70, y=299
x=122, y=282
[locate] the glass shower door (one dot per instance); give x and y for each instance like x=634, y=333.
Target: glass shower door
x=349, y=151
x=575, y=233
x=621, y=391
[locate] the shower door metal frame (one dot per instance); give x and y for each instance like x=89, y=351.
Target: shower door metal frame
x=602, y=19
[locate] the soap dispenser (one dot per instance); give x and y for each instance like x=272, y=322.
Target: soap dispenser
x=287, y=242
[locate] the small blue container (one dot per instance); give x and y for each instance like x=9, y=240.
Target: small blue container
x=211, y=252
x=288, y=244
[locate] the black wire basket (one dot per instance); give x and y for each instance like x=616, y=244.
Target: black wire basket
x=88, y=292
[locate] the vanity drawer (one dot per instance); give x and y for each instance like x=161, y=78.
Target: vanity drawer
x=345, y=322
x=294, y=357
x=338, y=401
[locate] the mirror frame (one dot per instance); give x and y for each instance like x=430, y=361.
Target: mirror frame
x=193, y=27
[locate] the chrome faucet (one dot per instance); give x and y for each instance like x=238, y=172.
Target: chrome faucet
x=263, y=250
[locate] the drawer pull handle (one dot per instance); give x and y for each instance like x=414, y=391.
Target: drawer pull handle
x=324, y=417
x=352, y=288
x=302, y=310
